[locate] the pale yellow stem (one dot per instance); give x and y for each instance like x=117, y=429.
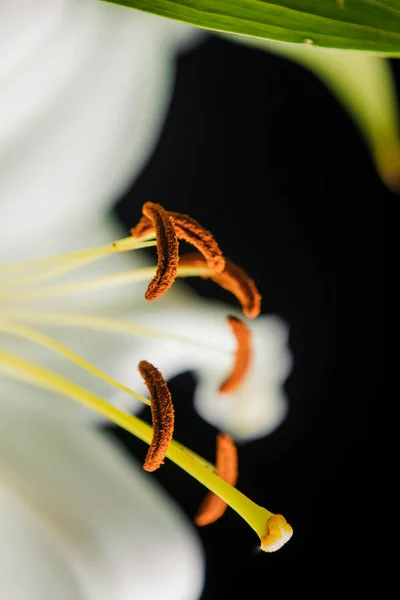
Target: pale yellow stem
x=110, y=324
x=256, y=516
x=123, y=245
x=64, y=268
x=47, y=342
x=143, y=274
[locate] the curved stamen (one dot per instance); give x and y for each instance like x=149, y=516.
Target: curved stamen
x=213, y=507
x=233, y=279
x=167, y=251
x=123, y=245
x=143, y=228
x=86, y=285
x=243, y=356
x=38, y=337
x=191, y=231
x=162, y=414
x=66, y=267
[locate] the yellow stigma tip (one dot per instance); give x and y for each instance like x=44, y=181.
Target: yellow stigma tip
x=278, y=533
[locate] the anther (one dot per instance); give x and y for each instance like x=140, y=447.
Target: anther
x=162, y=413
x=233, y=279
x=213, y=507
x=167, y=250
x=143, y=228
x=242, y=358
x=191, y=231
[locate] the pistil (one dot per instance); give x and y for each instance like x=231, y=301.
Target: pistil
x=272, y=529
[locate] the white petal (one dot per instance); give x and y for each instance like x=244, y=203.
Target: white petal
x=83, y=93
x=32, y=566
x=259, y=406
x=78, y=520
x=115, y=353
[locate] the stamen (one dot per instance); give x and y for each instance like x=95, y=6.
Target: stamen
x=167, y=227
x=162, y=413
x=213, y=507
x=67, y=267
x=167, y=251
x=191, y=231
x=113, y=325
x=243, y=356
x=86, y=285
x=123, y=245
x=143, y=228
x=233, y=279
x=38, y=337
x=256, y=516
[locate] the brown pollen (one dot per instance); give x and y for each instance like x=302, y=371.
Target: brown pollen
x=243, y=356
x=191, y=231
x=213, y=507
x=143, y=228
x=167, y=250
x=162, y=414
x=233, y=279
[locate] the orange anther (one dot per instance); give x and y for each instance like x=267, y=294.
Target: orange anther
x=162, y=413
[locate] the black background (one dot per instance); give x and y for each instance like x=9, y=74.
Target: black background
x=260, y=152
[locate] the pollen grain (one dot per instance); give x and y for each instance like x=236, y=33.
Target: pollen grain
x=233, y=279
x=167, y=250
x=187, y=229
x=162, y=413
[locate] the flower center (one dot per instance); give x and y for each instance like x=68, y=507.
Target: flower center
x=24, y=286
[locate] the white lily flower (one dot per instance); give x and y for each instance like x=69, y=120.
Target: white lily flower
x=69, y=500
x=84, y=86
x=83, y=91
x=79, y=520
x=259, y=405
x=178, y=333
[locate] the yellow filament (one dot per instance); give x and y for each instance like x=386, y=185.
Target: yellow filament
x=142, y=274
x=48, y=342
x=256, y=516
x=85, y=321
x=123, y=245
x=65, y=267
x=105, y=324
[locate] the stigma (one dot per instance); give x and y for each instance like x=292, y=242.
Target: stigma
x=25, y=289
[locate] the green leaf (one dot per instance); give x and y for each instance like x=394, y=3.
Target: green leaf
x=371, y=25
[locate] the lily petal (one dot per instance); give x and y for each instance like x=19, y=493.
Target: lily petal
x=259, y=406
x=83, y=92
x=116, y=354
x=79, y=520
